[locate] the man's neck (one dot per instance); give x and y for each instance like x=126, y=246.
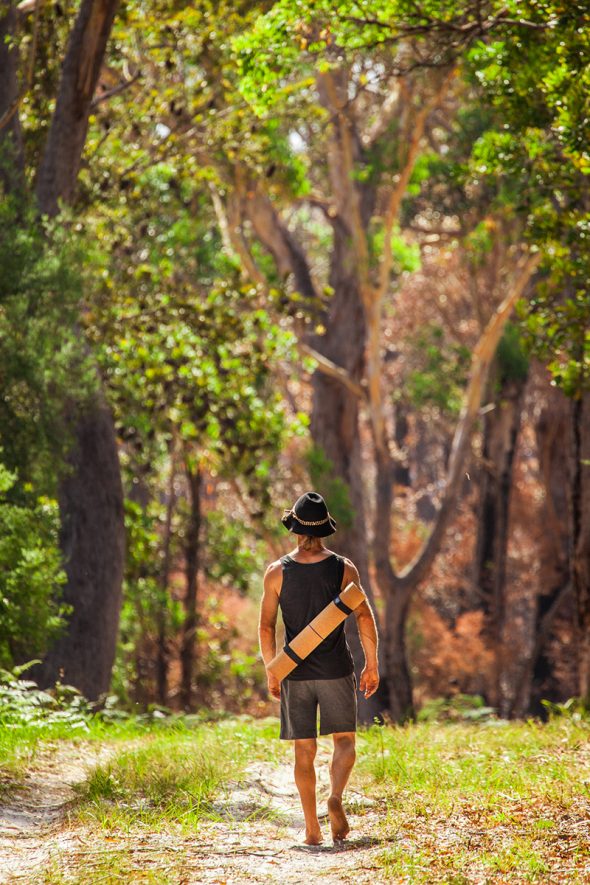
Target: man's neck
x=310, y=550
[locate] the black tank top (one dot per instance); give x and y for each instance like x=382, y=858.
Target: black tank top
x=307, y=588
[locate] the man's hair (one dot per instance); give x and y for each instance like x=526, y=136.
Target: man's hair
x=308, y=542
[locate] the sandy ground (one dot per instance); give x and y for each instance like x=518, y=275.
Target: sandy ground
x=258, y=836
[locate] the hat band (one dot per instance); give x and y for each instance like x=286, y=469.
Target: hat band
x=305, y=521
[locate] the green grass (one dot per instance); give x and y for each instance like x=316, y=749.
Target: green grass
x=488, y=802
x=173, y=775
x=488, y=766
x=458, y=803
x=20, y=742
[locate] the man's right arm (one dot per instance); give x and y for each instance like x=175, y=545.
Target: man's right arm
x=267, y=624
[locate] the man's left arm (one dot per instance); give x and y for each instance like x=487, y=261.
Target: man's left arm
x=365, y=621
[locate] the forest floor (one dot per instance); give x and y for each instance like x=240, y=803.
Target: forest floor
x=80, y=815
x=256, y=834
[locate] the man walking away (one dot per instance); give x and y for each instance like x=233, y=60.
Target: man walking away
x=302, y=583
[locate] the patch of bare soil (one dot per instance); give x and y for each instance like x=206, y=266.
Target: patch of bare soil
x=255, y=835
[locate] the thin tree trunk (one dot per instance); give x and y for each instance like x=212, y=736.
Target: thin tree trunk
x=580, y=533
x=335, y=430
x=11, y=142
x=192, y=551
x=399, y=587
x=401, y=704
x=500, y=436
x=554, y=602
x=162, y=654
x=397, y=598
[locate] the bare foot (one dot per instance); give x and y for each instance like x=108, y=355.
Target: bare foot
x=338, y=821
x=313, y=837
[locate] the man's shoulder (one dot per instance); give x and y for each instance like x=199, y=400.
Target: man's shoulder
x=274, y=567
x=350, y=568
x=273, y=576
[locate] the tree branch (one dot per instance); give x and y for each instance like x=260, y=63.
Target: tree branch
x=9, y=112
x=234, y=243
x=116, y=90
x=483, y=355
x=58, y=171
x=330, y=368
x=388, y=111
x=399, y=191
x=275, y=235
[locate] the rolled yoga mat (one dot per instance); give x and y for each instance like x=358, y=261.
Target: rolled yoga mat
x=316, y=631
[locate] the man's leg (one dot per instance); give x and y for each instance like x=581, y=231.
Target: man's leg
x=340, y=768
x=305, y=751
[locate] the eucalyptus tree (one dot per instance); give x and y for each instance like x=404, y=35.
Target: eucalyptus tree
x=41, y=162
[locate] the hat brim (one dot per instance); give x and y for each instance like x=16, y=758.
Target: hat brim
x=315, y=531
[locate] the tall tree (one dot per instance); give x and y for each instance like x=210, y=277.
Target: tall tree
x=501, y=427
x=90, y=494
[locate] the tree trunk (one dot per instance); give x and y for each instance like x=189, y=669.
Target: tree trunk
x=92, y=539
x=397, y=598
x=500, y=435
x=58, y=172
x=401, y=705
x=192, y=550
x=554, y=602
x=11, y=142
x=162, y=655
x=90, y=495
x=335, y=430
x=580, y=533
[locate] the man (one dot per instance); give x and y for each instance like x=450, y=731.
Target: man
x=302, y=584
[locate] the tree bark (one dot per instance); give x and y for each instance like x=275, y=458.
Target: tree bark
x=192, y=551
x=500, y=436
x=580, y=533
x=401, y=704
x=554, y=602
x=58, y=172
x=91, y=494
x=162, y=654
x=11, y=142
x=335, y=411
x=91, y=504
x=397, y=598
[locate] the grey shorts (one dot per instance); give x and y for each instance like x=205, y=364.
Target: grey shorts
x=300, y=700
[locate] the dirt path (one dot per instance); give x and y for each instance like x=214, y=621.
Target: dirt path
x=31, y=819
x=257, y=836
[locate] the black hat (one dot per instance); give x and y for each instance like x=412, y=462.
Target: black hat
x=309, y=516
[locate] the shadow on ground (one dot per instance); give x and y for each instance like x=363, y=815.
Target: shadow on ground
x=358, y=844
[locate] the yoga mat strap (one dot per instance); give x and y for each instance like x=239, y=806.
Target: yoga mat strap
x=343, y=606
x=292, y=654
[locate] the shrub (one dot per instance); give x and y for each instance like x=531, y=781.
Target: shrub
x=31, y=614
